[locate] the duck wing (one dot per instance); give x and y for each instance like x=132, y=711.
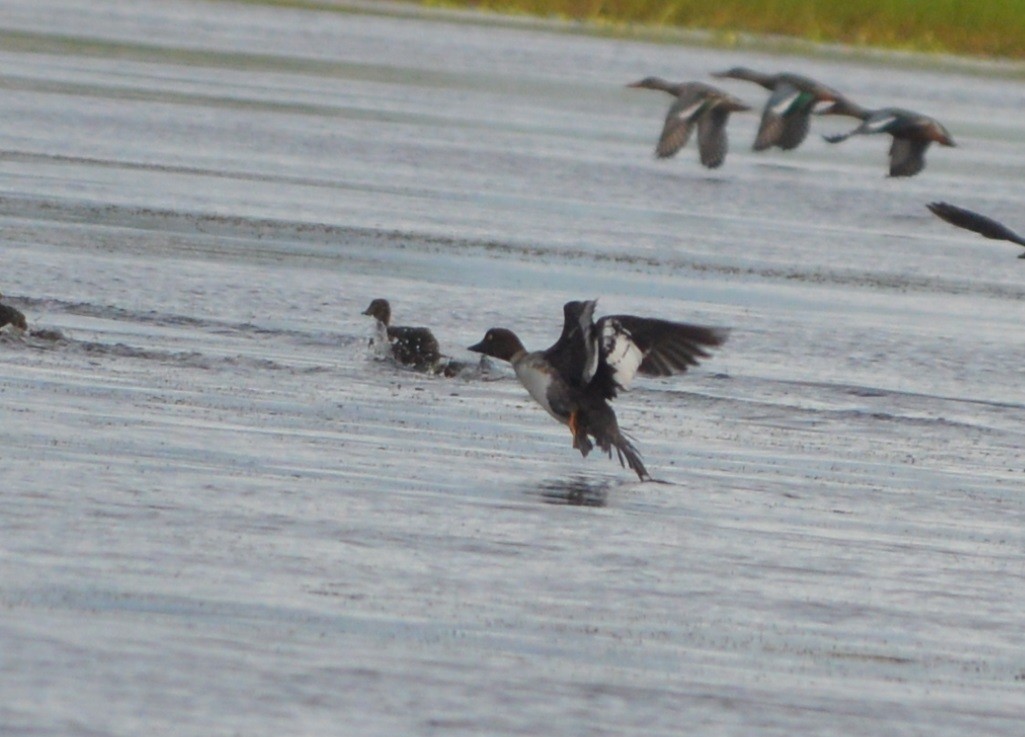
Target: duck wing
x=878, y=121
x=712, y=140
x=795, y=129
x=575, y=354
x=774, y=115
x=678, y=125
x=606, y=355
x=769, y=131
x=898, y=122
x=984, y=226
x=628, y=345
x=907, y=156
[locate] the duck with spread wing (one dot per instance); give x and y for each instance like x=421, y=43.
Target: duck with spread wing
x=592, y=361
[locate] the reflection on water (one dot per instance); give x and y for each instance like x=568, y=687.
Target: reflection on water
x=580, y=491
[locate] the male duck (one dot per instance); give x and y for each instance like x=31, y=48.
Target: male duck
x=11, y=316
x=973, y=221
x=592, y=361
x=785, y=119
x=696, y=104
x=912, y=133
x=416, y=347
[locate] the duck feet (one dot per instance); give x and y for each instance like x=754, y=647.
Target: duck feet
x=580, y=440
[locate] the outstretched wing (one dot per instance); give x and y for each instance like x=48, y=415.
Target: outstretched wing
x=984, y=226
x=712, y=141
x=575, y=354
x=678, y=126
x=773, y=124
x=795, y=129
x=907, y=156
x=654, y=347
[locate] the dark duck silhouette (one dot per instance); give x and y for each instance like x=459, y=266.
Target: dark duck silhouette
x=592, y=361
x=984, y=226
x=786, y=116
x=416, y=347
x=11, y=316
x=912, y=133
x=696, y=105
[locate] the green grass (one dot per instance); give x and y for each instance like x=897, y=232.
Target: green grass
x=994, y=28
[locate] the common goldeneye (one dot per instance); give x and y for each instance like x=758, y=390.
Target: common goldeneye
x=912, y=133
x=696, y=104
x=785, y=118
x=973, y=221
x=416, y=347
x=11, y=316
x=594, y=360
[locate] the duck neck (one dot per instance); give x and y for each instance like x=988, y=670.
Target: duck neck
x=661, y=84
x=768, y=81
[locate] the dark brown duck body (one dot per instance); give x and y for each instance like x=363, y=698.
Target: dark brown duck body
x=586, y=415
x=786, y=116
x=416, y=347
x=11, y=316
x=912, y=133
x=697, y=105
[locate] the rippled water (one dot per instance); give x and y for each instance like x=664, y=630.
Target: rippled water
x=221, y=515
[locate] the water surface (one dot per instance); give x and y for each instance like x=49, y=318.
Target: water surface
x=222, y=516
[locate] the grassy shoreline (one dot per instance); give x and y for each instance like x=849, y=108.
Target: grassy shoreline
x=991, y=31
x=994, y=28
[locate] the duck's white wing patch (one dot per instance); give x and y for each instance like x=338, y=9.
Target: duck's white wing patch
x=685, y=111
x=878, y=123
x=621, y=354
x=819, y=105
x=782, y=98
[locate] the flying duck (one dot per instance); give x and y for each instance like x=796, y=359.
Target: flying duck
x=416, y=347
x=785, y=118
x=912, y=133
x=697, y=104
x=984, y=226
x=592, y=361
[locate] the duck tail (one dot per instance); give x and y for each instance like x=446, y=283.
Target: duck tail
x=628, y=455
x=600, y=423
x=582, y=443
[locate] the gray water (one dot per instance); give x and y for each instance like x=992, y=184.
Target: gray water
x=222, y=516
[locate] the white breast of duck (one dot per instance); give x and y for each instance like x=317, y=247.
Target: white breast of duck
x=380, y=341
x=542, y=383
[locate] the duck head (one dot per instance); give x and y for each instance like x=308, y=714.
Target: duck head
x=654, y=83
x=748, y=75
x=499, y=343
x=940, y=134
x=380, y=309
